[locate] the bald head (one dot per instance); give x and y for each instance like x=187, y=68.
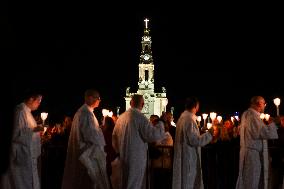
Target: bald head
x=255, y=100
x=258, y=103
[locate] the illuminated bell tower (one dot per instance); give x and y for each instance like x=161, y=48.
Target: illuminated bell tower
x=155, y=103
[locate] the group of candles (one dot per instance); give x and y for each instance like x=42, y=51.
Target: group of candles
x=212, y=116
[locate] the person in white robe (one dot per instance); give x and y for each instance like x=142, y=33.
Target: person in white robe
x=187, y=173
x=253, y=162
x=26, y=147
x=130, y=138
x=85, y=164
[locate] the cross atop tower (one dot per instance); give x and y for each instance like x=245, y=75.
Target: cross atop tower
x=146, y=23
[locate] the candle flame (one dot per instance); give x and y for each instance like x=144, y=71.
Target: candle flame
x=204, y=116
x=262, y=115
x=213, y=115
x=209, y=125
x=276, y=101
x=43, y=115
x=105, y=112
x=266, y=117
x=198, y=118
x=219, y=118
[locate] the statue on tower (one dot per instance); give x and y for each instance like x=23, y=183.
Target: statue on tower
x=127, y=91
x=164, y=89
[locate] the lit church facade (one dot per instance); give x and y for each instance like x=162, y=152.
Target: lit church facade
x=155, y=103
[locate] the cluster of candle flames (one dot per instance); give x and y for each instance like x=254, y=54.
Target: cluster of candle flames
x=212, y=115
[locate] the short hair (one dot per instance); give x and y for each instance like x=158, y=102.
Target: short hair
x=136, y=99
x=255, y=99
x=191, y=102
x=92, y=92
x=154, y=119
x=31, y=93
x=154, y=116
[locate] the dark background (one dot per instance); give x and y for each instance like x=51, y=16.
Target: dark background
x=223, y=53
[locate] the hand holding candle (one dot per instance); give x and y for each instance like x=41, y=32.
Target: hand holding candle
x=209, y=125
x=262, y=116
x=266, y=117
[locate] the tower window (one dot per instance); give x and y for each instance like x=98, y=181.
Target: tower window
x=146, y=48
x=146, y=75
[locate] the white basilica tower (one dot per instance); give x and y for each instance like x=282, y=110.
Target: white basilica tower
x=155, y=103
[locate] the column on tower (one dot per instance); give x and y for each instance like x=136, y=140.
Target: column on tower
x=151, y=73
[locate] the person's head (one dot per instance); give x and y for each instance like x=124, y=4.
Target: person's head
x=67, y=121
x=154, y=119
x=33, y=100
x=258, y=103
x=137, y=101
x=192, y=104
x=228, y=124
x=92, y=98
x=169, y=117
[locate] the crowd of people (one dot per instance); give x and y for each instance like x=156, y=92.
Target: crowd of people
x=132, y=151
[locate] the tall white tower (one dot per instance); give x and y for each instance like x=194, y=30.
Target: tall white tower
x=155, y=103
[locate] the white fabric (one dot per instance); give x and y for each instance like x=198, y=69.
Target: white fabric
x=187, y=172
x=131, y=135
x=167, y=141
x=26, y=148
x=85, y=165
x=116, y=172
x=253, y=163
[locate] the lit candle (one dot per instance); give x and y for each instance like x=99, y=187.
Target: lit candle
x=209, y=125
x=266, y=117
x=232, y=119
x=110, y=114
x=204, y=116
x=198, y=119
x=43, y=116
x=213, y=116
x=219, y=118
x=105, y=112
x=237, y=118
x=277, y=103
x=262, y=115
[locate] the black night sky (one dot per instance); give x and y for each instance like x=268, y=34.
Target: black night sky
x=221, y=53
